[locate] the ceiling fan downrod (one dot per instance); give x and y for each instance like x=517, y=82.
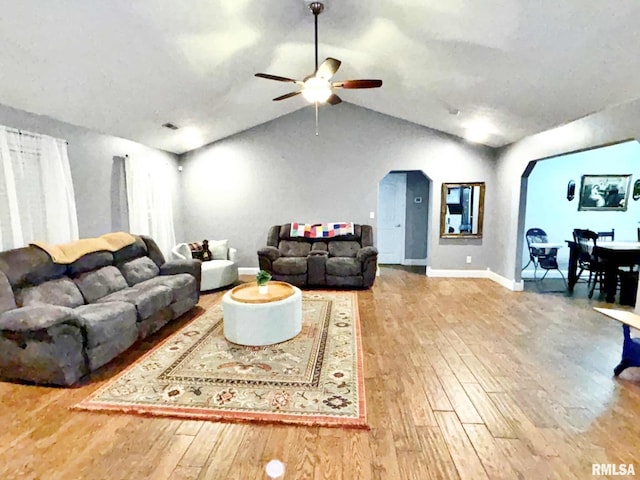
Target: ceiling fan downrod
x=316, y=8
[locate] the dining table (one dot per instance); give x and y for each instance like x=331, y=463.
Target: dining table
x=613, y=256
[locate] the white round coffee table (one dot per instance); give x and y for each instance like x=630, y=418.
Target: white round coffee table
x=255, y=319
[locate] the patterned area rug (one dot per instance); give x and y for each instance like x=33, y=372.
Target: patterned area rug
x=315, y=378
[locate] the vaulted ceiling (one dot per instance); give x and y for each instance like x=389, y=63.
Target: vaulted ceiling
x=122, y=67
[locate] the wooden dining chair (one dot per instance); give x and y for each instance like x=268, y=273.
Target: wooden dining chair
x=586, y=241
x=608, y=236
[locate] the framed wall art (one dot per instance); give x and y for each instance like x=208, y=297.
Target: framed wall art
x=604, y=192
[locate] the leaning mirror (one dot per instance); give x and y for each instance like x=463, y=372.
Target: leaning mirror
x=462, y=210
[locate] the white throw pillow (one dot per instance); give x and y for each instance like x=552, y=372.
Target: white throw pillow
x=219, y=249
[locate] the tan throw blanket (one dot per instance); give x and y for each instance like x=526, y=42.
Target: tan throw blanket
x=72, y=251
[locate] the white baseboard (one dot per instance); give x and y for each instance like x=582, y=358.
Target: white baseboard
x=450, y=273
x=505, y=282
x=499, y=279
x=419, y=262
x=446, y=273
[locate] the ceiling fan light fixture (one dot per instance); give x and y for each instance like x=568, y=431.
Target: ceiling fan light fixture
x=316, y=90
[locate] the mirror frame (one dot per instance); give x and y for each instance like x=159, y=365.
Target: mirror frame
x=443, y=210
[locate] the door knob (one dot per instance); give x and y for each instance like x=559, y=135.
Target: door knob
x=398, y=225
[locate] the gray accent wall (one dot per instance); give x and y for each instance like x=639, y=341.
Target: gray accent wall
x=415, y=244
x=91, y=158
x=281, y=171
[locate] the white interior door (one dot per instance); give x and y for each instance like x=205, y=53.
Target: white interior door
x=392, y=200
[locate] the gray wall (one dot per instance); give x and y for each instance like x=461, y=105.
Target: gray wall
x=606, y=127
x=91, y=158
x=415, y=245
x=281, y=171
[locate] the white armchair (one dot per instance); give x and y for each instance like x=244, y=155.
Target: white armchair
x=215, y=273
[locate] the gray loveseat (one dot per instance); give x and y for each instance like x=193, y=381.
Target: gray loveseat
x=341, y=261
x=59, y=322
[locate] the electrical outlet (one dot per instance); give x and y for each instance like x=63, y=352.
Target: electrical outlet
x=468, y=258
x=372, y=215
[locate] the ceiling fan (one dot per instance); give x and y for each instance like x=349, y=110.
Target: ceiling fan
x=317, y=88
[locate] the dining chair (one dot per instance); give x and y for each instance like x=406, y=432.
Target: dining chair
x=607, y=236
x=544, y=258
x=586, y=240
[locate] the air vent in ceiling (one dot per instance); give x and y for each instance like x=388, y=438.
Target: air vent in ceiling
x=170, y=126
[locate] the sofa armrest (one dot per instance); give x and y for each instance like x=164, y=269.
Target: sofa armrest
x=173, y=267
x=366, y=253
x=232, y=254
x=37, y=317
x=369, y=258
x=271, y=253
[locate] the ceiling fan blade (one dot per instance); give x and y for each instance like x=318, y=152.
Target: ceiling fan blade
x=276, y=77
x=358, y=84
x=328, y=68
x=287, y=95
x=334, y=99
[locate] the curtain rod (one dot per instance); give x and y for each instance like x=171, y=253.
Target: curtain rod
x=34, y=135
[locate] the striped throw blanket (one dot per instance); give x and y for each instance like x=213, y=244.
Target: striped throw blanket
x=321, y=230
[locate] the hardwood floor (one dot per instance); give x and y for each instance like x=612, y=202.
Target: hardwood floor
x=464, y=380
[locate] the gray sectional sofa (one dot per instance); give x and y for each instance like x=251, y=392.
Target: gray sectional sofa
x=59, y=322
x=341, y=261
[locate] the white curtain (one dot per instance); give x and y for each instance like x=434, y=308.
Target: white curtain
x=37, y=201
x=149, y=198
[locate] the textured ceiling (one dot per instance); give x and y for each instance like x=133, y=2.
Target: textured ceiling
x=126, y=67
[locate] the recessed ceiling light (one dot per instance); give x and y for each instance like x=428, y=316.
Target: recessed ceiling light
x=191, y=137
x=478, y=131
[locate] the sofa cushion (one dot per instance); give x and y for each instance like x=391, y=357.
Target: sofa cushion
x=291, y=248
x=343, y=266
x=99, y=283
x=7, y=300
x=135, y=250
x=148, y=299
x=90, y=261
x=182, y=285
x=36, y=317
x=319, y=247
x=290, y=265
x=29, y=266
x=61, y=291
x=346, y=248
x=153, y=251
x=102, y=322
x=139, y=270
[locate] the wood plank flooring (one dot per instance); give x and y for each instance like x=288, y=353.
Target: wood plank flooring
x=464, y=380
